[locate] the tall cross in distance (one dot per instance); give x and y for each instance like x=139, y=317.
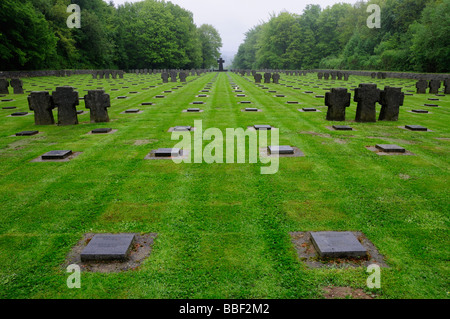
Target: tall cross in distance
x=221, y=62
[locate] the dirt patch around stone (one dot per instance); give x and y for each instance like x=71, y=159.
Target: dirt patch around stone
x=307, y=253
x=346, y=293
x=142, y=247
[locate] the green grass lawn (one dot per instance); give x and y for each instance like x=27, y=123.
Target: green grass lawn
x=223, y=229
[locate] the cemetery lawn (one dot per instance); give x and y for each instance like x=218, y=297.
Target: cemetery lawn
x=223, y=229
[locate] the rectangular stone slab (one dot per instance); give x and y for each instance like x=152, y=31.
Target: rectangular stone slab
x=337, y=244
x=251, y=109
x=27, y=133
x=283, y=149
x=101, y=130
x=55, y=155
x=108, y=247
x=167, y=152
x=182, y=128
x=420, y=111
x=416, y=128
x=193, y=110
x=342, y=128
x=309, y=109
x=390, y=148
x=132, y=111
x=262, y=127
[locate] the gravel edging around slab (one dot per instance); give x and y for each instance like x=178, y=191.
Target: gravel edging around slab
x=307, y=253
x=142, y=247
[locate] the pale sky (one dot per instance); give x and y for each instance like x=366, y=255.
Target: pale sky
x=232, y=18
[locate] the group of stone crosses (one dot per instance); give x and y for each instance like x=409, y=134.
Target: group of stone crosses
x=366, y=95
x=267, y=77
x=434, y=86
x=65, y=98
x=334, y=75
x=105, y=74
x=173, y=76
x=16, y=84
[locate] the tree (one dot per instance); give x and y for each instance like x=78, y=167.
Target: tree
x=211, y=43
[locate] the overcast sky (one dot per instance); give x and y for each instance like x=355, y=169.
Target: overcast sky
x=232, y=18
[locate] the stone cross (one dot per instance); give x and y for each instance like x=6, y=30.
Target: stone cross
x=17, y=86
x=276, y=78
x=320, y=75
x=221, y=62
x=267, y=77
x=421, y=86
x=326, y=75
x=165, y=77
x=390, y=99
x=183, y=76
x=366, y=95
x=447, y=86
x=434, y=86
x=173, y=76
x=98, y=102
x=258, y=78
x=66, y=100
x=42, y=105
x=4, y=86
x=337, y=100
x=333, y=75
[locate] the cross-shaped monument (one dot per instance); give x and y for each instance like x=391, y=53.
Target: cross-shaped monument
x=221, y=62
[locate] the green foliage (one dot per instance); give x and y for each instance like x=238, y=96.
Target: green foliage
x=146, y=34
x=413, y=37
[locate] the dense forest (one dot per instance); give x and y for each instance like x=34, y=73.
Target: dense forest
x=147, y=34
x=414, y=36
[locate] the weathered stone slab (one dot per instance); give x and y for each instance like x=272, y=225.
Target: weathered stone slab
x=280, y=149
x=167, y=152
x=416, y=128
x=27, y=133
x=108, y=247
x=390, y=148
x=330, y=244
x=56, y=155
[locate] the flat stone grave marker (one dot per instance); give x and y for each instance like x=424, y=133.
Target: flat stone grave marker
x=167, y=91
x=431, y=105
x=101, y=130
x=280, y=95
x=9, y=107
x=342, y=128
x=121, y=97
x=198, y=102
x=308, y=92
x=432, y=99
x=146, y=103
x=272, y=91
x=133, y=111
x=159, y=97
x=416, y=128
x=292, y=102
x=245, y=102
x=320, y=96
x=202, y=95
x=240, y=95
x=168, y=152
x=390, y=148
x=309, y=109
x=262, y=127
x=108, y=247
x=193, y=110
x=420, y=111
x=330, y=244
x=56, y=155
x=19, y=114
x=80, y=111
x=7, y=100
x=251, y=109
x=282, y=149
x=182, y=128
x=27, y=133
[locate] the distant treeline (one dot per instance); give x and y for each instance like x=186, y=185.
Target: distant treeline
x=149, y=34
x=414, y=36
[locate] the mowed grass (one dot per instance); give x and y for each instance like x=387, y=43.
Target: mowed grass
x=223, y=229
